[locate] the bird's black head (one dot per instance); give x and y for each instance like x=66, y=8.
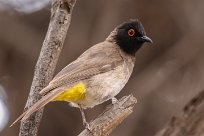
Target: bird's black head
x=130, y=36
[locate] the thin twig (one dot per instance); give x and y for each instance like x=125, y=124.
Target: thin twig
x=44, y=70
x=105, y=123
x=190, y=122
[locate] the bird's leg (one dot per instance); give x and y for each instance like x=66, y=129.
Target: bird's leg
x=114, y=100
x=85, y=123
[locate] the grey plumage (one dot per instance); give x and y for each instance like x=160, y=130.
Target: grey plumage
x=104, y=69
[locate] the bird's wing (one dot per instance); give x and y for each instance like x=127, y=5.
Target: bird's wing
x=94, y=61
x=98, y=59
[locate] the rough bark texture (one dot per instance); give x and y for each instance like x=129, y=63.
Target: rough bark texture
x=190, y=122
x=44, y=70
x=111, y=117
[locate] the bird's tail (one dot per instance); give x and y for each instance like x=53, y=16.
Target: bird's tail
x=38, y=105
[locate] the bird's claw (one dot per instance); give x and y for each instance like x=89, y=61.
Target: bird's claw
x=87, y=126
x=114, y=100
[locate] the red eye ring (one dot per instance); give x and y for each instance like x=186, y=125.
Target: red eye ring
x=131, y=32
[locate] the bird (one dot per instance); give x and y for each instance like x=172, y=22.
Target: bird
x=97, y=75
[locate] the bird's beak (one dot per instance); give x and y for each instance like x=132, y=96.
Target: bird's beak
x=146, y=39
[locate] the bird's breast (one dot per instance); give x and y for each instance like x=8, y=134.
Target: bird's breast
x=105, y=86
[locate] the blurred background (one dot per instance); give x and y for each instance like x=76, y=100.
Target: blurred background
x=167, y=74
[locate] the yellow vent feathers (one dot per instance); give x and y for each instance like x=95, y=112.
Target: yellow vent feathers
x=75, y=93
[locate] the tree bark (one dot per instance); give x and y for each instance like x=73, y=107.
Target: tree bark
x=105, y=123
x=190, y=122
x=59, y=23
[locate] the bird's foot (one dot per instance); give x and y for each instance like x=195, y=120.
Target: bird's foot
x=86, y=125
x=114, y=100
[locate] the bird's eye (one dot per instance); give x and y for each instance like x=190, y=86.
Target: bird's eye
x=131, y=32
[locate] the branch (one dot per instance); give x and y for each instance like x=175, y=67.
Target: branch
x=59, y=23
x=104, y=124
x=190, y=122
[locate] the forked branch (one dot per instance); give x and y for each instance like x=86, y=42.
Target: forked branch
x=59, y=23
